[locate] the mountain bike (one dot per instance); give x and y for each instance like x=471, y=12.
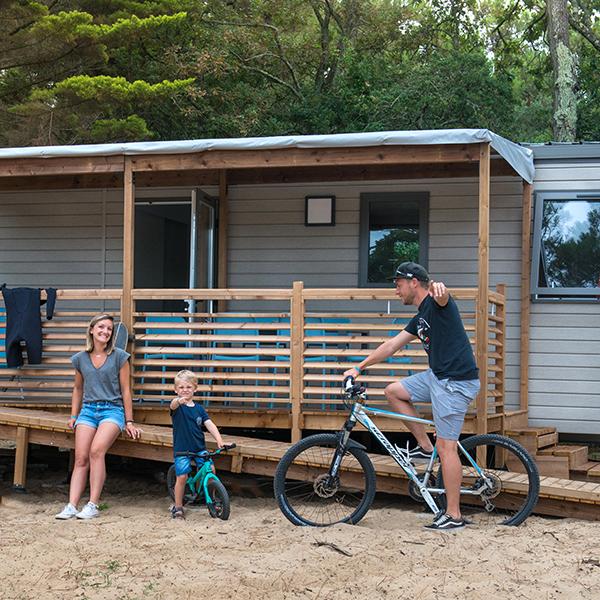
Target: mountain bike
x=202, y=485
x=329, y=478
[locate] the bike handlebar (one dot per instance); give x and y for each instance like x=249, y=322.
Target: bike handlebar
x=351, y=388
x=206, y=453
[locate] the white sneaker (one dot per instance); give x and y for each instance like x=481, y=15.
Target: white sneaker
x=68, y=512
x=89, y=511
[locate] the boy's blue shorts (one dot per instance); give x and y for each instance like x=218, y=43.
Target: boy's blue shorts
x=183, y=464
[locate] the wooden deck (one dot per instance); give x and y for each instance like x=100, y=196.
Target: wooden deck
x=559, y=497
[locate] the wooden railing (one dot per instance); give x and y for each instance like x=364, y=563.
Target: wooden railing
x=275, y=350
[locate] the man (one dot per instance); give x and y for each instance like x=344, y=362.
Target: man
x=450, y=383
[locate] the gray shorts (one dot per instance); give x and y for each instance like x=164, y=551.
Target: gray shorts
x=449, y=399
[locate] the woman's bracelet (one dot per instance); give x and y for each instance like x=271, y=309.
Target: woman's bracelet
x=358, y=370
x=74, y=416
x=128, y=421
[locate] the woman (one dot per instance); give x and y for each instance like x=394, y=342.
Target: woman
x=101, y=408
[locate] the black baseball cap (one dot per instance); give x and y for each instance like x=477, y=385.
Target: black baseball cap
x=410, y=270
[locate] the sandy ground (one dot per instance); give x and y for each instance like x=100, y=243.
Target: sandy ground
x=135, y=550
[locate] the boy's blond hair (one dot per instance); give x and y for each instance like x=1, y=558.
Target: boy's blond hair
x=186, y=375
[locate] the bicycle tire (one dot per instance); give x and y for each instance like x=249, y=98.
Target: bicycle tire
x=187, y=497
x=304, y=502
x=508, y=508
x=220, y=506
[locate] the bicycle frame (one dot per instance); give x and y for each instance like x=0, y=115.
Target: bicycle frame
x=203, y=475
x=359, y=414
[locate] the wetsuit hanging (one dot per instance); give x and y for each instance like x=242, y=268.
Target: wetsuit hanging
x=24, y=323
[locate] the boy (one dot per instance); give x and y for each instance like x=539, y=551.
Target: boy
x=188, y=420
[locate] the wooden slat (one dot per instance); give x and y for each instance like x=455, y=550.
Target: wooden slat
x=20, y=472
x=74, y=165
x=128, y=243
x=483, y=284
x=525, y=296
x=305, y=157
x=296, y=359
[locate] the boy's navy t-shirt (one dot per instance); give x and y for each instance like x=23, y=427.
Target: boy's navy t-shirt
x=445, y=340
x=188, y=435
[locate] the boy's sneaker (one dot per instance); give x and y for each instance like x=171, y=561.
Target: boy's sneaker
x=417, y=454
x=89, y=511
x=68, y=512
x=445, y=523
x=177, y=512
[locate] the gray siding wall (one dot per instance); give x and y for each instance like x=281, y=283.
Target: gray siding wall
x=564, y=373
x=61, y=239
x=271, y=247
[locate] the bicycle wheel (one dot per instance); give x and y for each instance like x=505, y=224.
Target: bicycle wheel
x=512, y=473
x=307, y=497
x=220, y=506
x=188, y=498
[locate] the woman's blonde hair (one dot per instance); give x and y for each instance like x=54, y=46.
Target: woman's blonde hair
x=186, y=375
x=89, y=340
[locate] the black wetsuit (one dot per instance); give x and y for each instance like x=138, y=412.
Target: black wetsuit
x=24, y=324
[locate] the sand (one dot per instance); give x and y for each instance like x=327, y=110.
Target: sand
x=135, y=550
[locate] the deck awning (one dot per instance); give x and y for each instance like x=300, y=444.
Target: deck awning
x=518, y=157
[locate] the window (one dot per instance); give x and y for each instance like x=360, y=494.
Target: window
x=393, y=230
x=566, y=245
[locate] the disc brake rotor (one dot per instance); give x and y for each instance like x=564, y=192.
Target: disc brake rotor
x=325, y=487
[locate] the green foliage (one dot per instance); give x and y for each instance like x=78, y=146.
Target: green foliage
x=108, y=70
x=130, y=129
x=571, y=255
x=394, y=247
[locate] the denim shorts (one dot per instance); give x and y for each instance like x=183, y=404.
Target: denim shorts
x=183, y=464
x=94, y=413
x=449, y=399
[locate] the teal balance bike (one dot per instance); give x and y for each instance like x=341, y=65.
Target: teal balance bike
x=202, y=485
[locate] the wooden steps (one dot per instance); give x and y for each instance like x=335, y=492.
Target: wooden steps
x=566, y=461
x=594, y=471
x=575, y=455
x=534, y=438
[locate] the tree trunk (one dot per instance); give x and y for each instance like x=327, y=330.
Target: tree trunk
x=564, y=71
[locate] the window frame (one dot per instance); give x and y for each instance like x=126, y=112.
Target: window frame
x=421, y=198
x=556, y=294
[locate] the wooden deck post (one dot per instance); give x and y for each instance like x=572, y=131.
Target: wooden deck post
x=297, y=357
x=222, y=237
x=128, y=245
x=20, y=473
x=525, y=296
x=481, y=327
x=501, y=351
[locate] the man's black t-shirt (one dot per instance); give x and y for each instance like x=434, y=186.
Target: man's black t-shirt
x=187, y=428
x=445, y=340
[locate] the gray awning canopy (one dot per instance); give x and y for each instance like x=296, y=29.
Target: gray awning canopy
x=518, y=157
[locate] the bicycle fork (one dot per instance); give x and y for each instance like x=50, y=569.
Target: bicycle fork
x=207, y=478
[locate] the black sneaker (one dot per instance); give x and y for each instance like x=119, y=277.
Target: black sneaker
x=177, y=512
x=417, y=454
x=445, y=523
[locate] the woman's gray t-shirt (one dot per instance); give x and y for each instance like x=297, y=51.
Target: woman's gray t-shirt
x=102, y=384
